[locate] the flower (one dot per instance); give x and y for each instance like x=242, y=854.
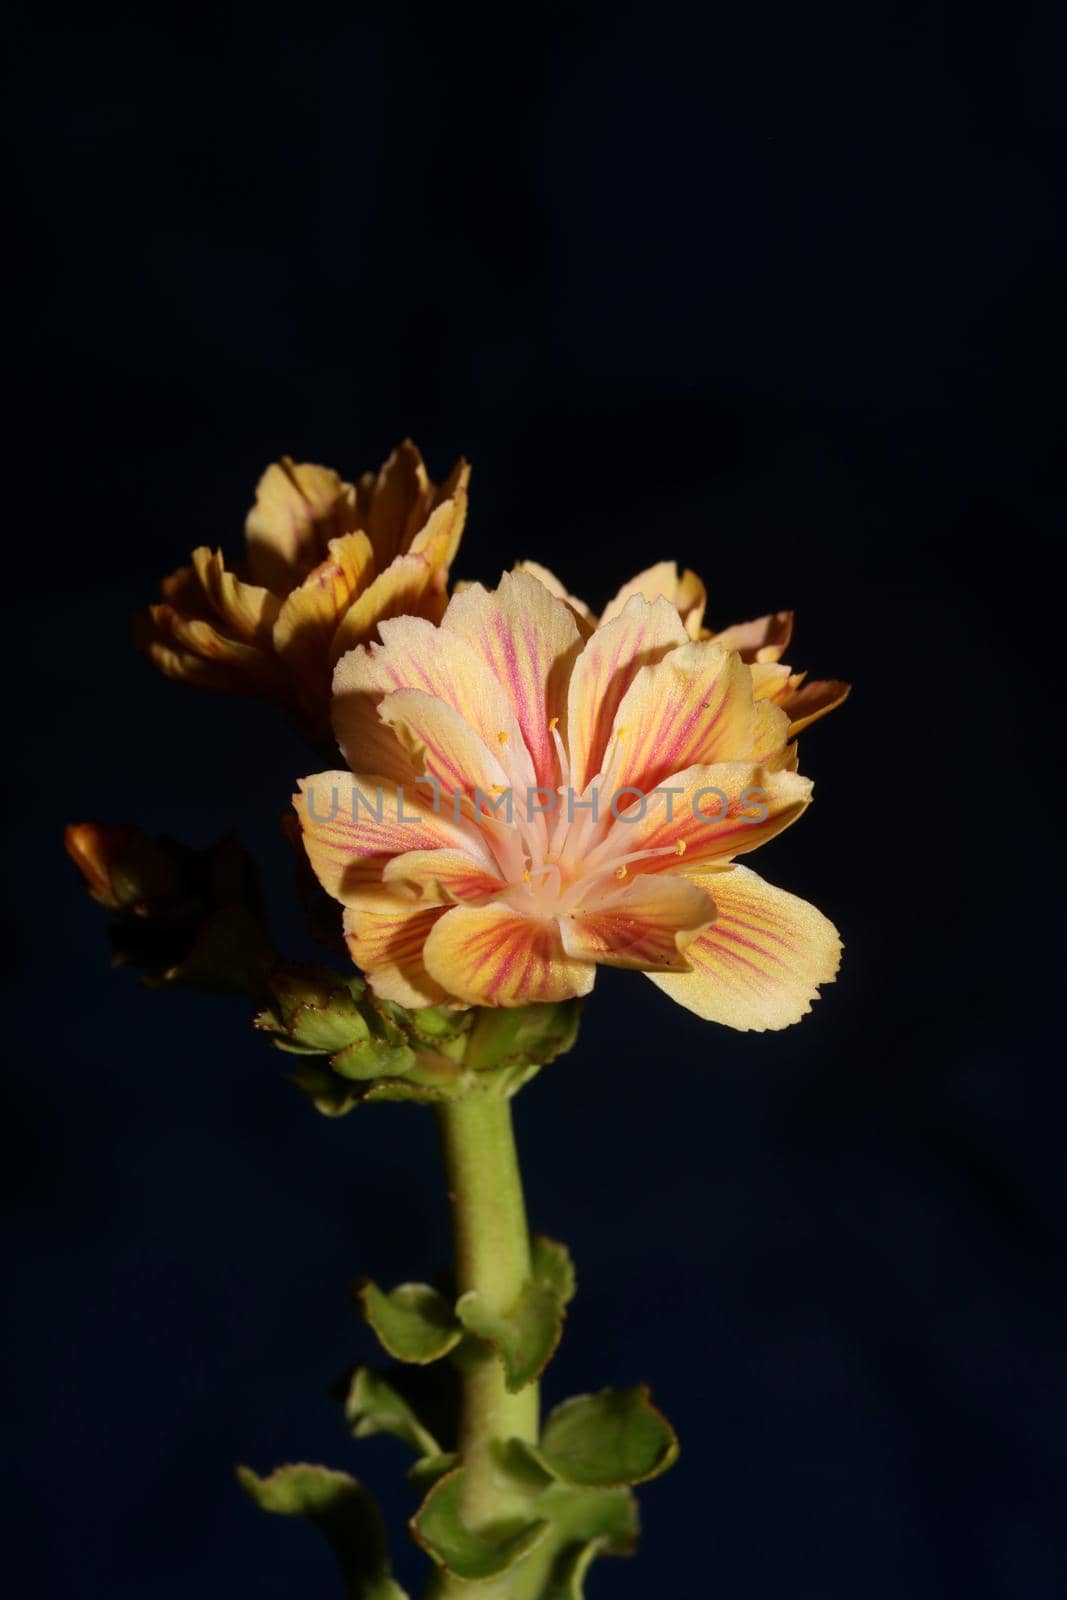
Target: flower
x=760, y=643
x=463, y=882
x=325, y=562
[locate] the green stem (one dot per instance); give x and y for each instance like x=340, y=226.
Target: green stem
x=493, y=1257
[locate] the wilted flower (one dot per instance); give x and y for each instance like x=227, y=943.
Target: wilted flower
x=563, y=821
x=325, y=562
x=183, y=916
x=761, y=643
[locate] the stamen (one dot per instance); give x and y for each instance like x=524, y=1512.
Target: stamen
x=681, y=847
x=620, y=872
x=502, y=737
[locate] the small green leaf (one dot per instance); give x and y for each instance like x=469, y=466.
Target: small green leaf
x=552, y=1266
x=341, y=1509
x=413, y=1322
x=525, y=1337
x=439, y=1528
x=430, y=1468
x=612, y=1438
x=373, y=1406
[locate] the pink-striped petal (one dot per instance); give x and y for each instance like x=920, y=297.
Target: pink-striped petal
x=760, y=963
x=442, y=877
x=647, y=923
x=442, y=744
x=639, y=636
x=493, y=956
x=703, y=814
x=387, y=945
x=353, y=826
x=416, y=655
x=529, y=640
x=694, y=706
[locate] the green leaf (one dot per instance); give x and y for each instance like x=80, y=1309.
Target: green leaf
x=343, y=1510
x=413, y=1322
x=612, y=1438
x=439, y=1528
x=525, y=1337
x=373, y=1406
x=552, y=1266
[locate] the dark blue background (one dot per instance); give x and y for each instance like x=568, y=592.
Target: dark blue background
x=775, y=290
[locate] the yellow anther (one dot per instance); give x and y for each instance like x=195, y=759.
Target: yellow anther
x=553, y=724
x=620, y=732
x=502, y=737
x=620, y=872
x=526, y=875
x=681, y=847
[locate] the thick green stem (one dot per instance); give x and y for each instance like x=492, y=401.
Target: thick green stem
x=492, y=1257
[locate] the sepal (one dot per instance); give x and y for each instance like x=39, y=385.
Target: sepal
x=374, y=1049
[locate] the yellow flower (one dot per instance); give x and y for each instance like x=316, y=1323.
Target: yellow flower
x=325, y=562
x=564, y=817
x=760, y=643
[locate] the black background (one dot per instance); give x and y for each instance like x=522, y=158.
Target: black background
x=777, y=291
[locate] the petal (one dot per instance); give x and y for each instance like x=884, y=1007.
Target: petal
x=250, y=610
x=763, y=639
x=442, y=877
x=442, y=744
x=406, y=587
x=638, y=637
x=648, y=923
x=394, y=501
x=770, y=733
x=686, y=594
x=307, y=622
x=694, y=706
x=493, y=956
x=704, y=814
x=582, y=614
x=183, y=665
x=813, y=701
x=196, y=651
x=761, y=961
x=387, y=946
x=353, y=826
x=529, y=641
x=416, y=655
x=773, y=681
x=299, y=508
x=438, y=539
